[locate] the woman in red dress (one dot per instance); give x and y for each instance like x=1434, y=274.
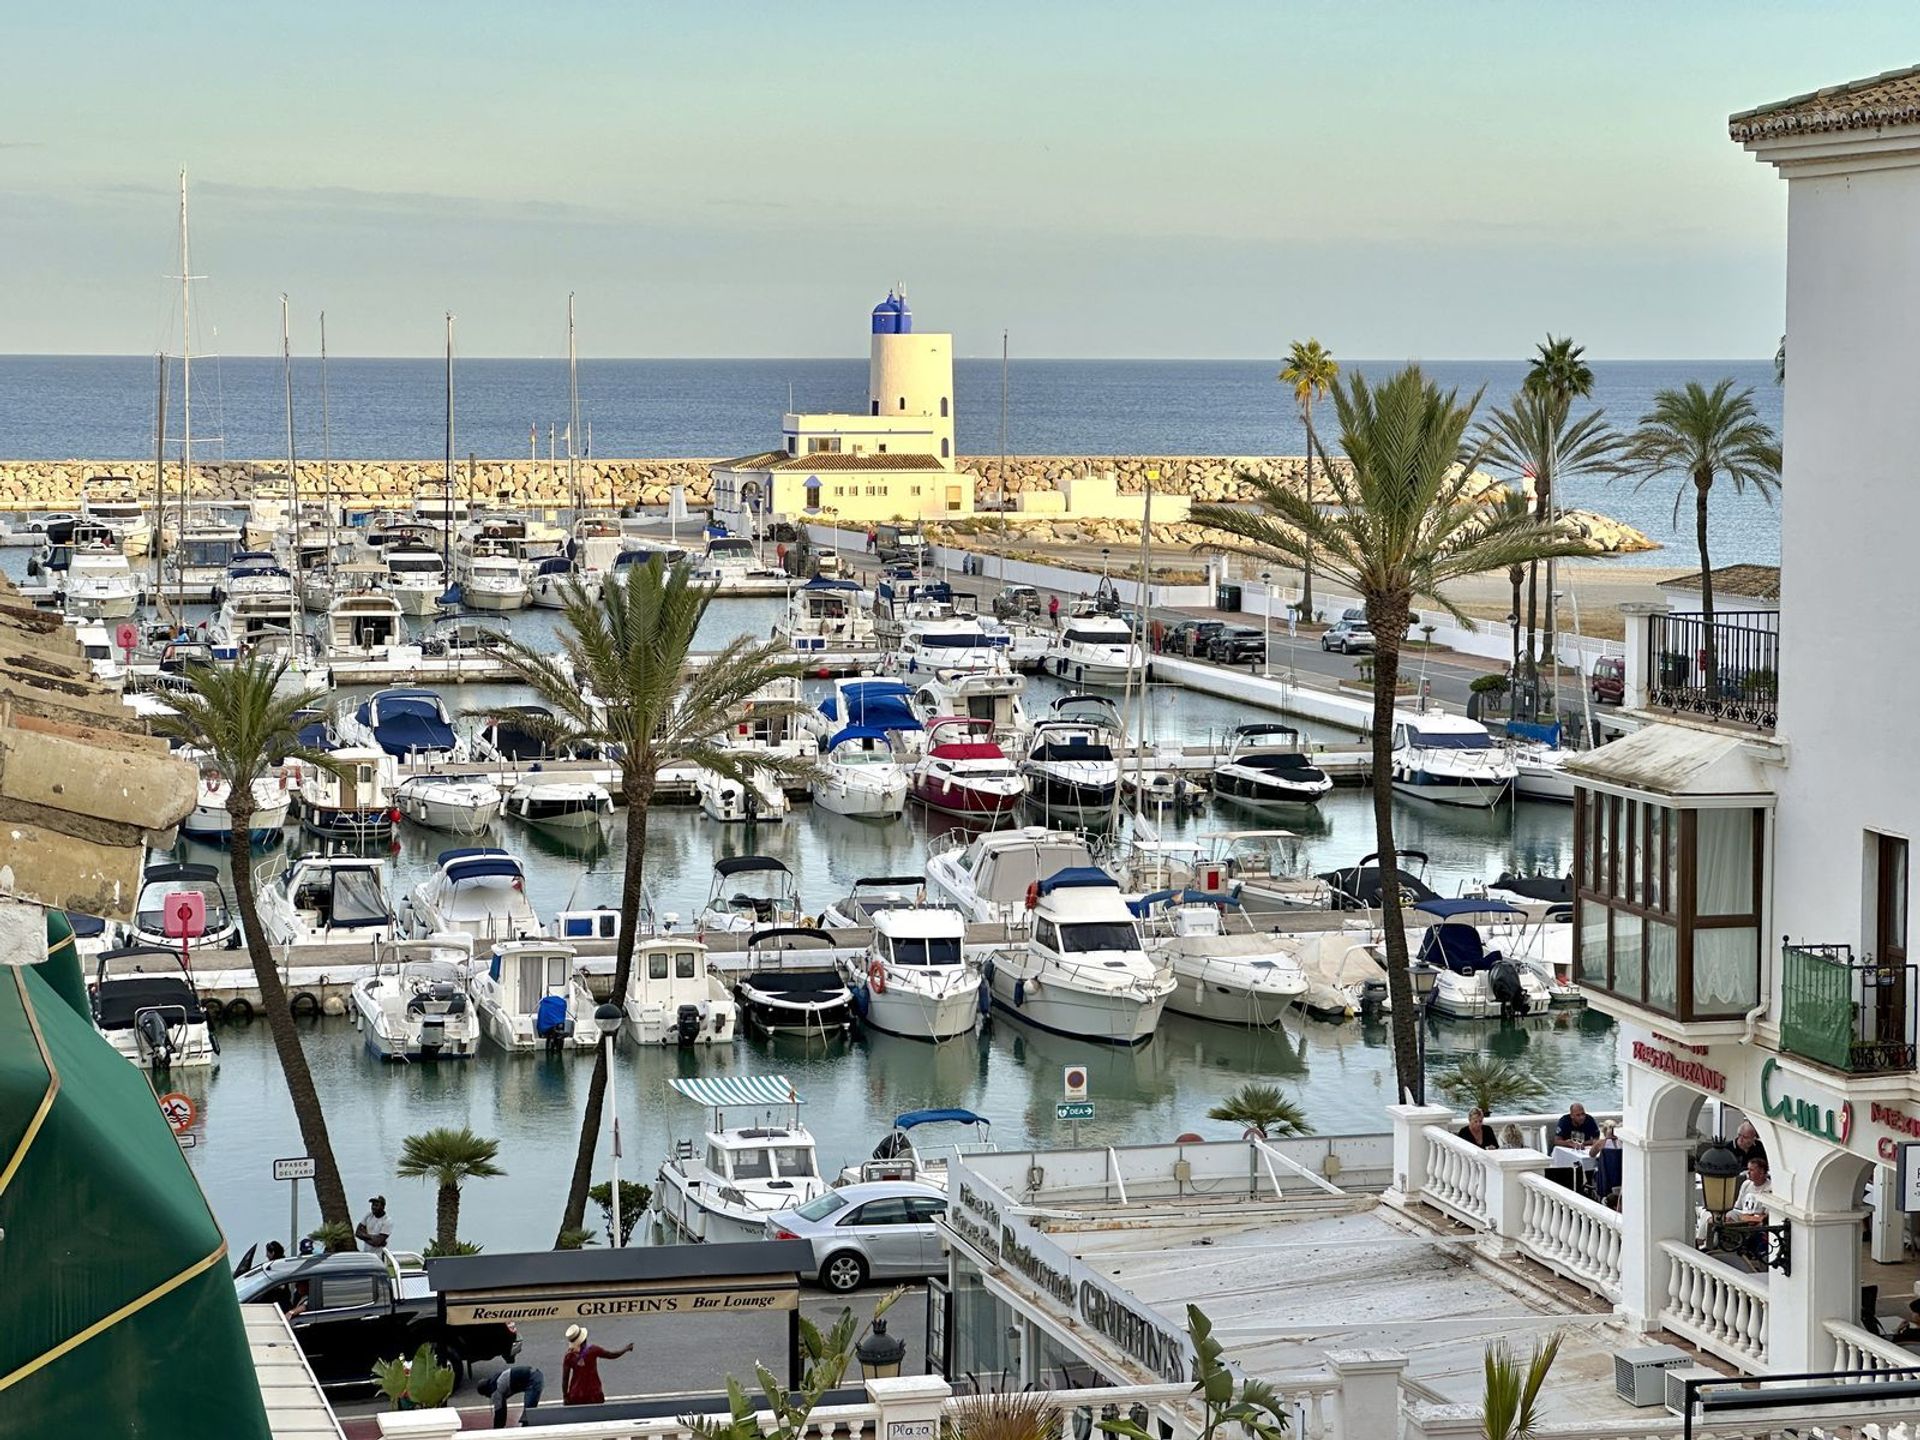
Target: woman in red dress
x=580, y=1371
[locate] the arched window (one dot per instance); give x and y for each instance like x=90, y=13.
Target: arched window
x=813, y=492
x=943, y=407
x=903, y=402
x=750, y=495
x=945, y=446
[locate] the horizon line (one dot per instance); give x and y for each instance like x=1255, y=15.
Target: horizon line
x=439, y=358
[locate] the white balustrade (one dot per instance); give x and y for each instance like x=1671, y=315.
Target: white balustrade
x=1719, y=1308
x=1861, y=1352
x=1571, y=1235
x=1456, y=1178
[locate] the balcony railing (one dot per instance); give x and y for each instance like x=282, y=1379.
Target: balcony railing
x=1851, y=1015
x=1729, y=670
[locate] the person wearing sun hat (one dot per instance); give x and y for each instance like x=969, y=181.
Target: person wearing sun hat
x=580, y=1370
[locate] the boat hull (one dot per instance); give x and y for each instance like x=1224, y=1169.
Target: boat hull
x=417, y=601
x=1446, y=790
x=956, y=797
x=456, y=819
x=1101, y=1019
x=678, y=1201
x=497, y=601
x=349, y=825
x=917, y=1016
x=867, y=802
x=212, y=825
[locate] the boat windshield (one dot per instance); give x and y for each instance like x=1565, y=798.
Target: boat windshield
x=1450, y=740
x=1014, y=870
x=933, y=950
x=1088, y=936
x=789, y=1161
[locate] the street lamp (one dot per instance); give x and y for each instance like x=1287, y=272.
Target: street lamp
x=1266, y=627
x=1424, y=976
x=879, y=1353
x=1719, y=1169
x=608, y=1018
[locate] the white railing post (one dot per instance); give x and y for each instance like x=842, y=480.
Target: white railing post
x=909, y=1405
x=418, y=1424
x=1410, y=1148
x=1572, y=1235
x=1443, y=1422
x=1367, y=1404
x=1506, y=1199
x=1656, y=1189
x=1457, y=1177
x=1822, y=1283
x=1720, y=1309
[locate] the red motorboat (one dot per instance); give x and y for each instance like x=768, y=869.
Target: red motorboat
x=963, y=771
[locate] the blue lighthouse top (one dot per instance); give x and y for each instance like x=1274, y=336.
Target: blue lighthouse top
x=892, y=317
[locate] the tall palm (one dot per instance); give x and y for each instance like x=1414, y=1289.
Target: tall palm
x=1536, y=438
x=1558, y=375
x=1405, y=523
x=1510, y=1409
x=622, y=681
x=1310, y=370
x=242, y=728
x=449, y=1158
x=1701, y=436
x=1262, y=1110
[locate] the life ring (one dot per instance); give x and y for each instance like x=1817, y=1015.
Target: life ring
x=305, y=1004
x=239, y=1010
x=1033, y=895
x=877, y=978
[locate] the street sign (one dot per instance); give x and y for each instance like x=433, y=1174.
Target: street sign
x=1073, y=1082
x=1073, y=1110
x=298, y=1168
x=178, y=1109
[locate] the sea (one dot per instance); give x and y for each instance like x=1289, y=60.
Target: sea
x=102, y=407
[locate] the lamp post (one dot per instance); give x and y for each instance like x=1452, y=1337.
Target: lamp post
x=879, y=1353
x=608, y=1018
x=1424, y=978
x=1266, y=627
x=1513, y=675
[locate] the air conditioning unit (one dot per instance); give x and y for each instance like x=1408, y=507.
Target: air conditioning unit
x=1676, y=1381
x=1640, y=1374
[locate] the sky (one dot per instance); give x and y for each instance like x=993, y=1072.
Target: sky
x=1436, y=178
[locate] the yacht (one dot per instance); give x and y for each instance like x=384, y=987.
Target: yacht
x=321, y=899
x=460, y=804
x=915, y=979
x=1224, y=967
x=731, y=802
x=1095, y=649
x=1266, y=768
x=101, y=586
x=353, y=800
x=250, y=623
x=959, y=645
x=409, y=724
x=870, y=895
x=1083, y=970
x=145, y=1006
x=362, y=625
x=108, y=500
x=990, y=878
x=731, y=564
x=199, y=560
x=558, y=804
x=902, y=600
x=785, y=988
x=414, y=1005
x=212, y=825
x=992, y=696
x=493, y=579
x=1449, y=760
x=861, y=776
x=1539, y=763
x=900, y=1156
x=826, y=616
x=476, y=890
x=416, y=576
x=153, y=914
x=438, y=511
x=1473, y=980
x=553, y=579
x=530, y=996
x=1070, y=767
x=872, y=702
x=965, y=772
x=743, y=911
x=255, y=572
x=674, y=997
x=722, y=1186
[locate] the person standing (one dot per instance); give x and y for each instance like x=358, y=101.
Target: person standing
x=1053, y=610
x=526, y=1380
x=580, y=1371
x=375, y=1229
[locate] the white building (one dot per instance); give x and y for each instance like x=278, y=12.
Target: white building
x=896, y=461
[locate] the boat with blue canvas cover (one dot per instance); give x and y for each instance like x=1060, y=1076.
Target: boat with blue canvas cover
x=409, y=724
x=1474, y=974
x=903, y=1155
x=722, y=1184
x=475, y=890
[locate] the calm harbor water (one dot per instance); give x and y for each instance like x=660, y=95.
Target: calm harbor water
x=1341, y=1074
x=101, y=407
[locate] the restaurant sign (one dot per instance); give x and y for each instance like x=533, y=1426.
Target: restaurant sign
x=1795, y=1101
x=523, y=1306
x=1688, y=1071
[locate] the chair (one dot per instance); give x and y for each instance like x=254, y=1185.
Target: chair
x=1611, y=1174
x=1567, y=1175
x=1869, y=1310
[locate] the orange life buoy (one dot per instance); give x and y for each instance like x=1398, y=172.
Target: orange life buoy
x=1033, y=895
x=877, y=978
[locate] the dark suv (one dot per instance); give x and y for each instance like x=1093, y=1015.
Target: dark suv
x=1190, y=637
x=1234, y=645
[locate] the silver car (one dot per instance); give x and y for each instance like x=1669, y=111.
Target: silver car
x=883, y=1229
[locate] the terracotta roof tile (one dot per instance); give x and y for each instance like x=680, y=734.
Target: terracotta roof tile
x=1749, y=582
x=1880, y=100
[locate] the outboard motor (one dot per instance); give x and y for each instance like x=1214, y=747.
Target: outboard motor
x=552, y=1023
x=687, y=1024
x=153, y=1029
x=1373, y=998
x=1503, y=978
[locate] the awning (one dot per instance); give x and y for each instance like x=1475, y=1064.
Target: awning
x=723, y=1090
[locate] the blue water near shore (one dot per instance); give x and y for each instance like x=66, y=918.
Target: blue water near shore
x=102, y=407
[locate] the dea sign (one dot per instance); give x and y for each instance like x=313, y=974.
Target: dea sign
x=1823, y=1116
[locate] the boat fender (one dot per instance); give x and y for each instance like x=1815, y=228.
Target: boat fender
x=239, y=1010
x=1033, y=895
x=304, y=1005
x=877, y=978
x=1019, y=992
x=862, y=1001
x=986, y=995
x=213, y=1010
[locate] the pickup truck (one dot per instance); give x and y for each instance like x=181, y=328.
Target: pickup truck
x=357, y=1309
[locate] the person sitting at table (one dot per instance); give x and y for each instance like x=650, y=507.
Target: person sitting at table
x=1477, y=1132
x=1909, y=1331
x=1577, y=1127
x=1746, y=1143
x=1749, y=1208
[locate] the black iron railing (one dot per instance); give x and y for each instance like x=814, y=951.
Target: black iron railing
x=1847, y=1014
x=1729, y=670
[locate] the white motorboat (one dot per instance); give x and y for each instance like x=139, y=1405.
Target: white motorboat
x=145, y=1006
x=529, y=995
x=1095, y=649
x=903, y=600
x=254, y=572
x=362, y=625
x=414, y=1005
x=1266, y=769
x=965, y=772
x=1083, y=970
x=321, y=899
x=674, y=997
x=1070, y=766
x=826, y=616
x=409, y=724
x=789, y=986
x=462, y=805
x=731, y=564
x=101, y=586
x=163, y=890
x=914, y=979
x=1472, y=979
x=731, y=802
x=901, y=1155
x=1224, y=968
x=1539, y=768
x=993, y=696
x=249, y=623
x=861, y=776
x=492, y=579
x=558, y=804
x=988, y=878
x=870, y=895
x=200, y=560
x=871, y=702
x=109, y=500
x=476, y=890
x=1449, y=760
x=957, y=645
x=743, y=911
x=555, y=578
x=211, y=824
x=723, y=1185
x=416, y=576
x=353, y=800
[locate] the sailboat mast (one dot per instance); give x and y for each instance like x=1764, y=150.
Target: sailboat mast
x=573, y=413
x=1003, y=419
x=186, y=380
x=446, y=511
x=326, y=441
x=159, y=477
x=293, y=493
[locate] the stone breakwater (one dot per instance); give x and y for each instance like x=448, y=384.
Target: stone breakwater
x=368, y=484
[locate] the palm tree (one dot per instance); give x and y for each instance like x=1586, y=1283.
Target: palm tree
x=1405, y=523
x=622, y=682
x=1262, y=1110
x=1535, y=438
x=1703, y=435
x=1510, y=1408
x=449, y=1158
x=242, y=727
x=1489, y=1084
x=1558, y=372
x=1310, y=370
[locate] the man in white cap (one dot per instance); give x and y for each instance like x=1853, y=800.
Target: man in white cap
x=580, y=1371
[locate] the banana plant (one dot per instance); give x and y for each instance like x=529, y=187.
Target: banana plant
x=1250, y=1404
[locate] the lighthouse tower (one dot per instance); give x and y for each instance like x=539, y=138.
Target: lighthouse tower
x=909, y=376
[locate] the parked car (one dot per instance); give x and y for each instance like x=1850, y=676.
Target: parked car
x=357, y=1309
x=1236, y=645
x=1190, y=637
x=58, y=520
x=868, y=1232
x=901, y=544
x=1608, y=683
x=1018, y=602
x=1348, y=635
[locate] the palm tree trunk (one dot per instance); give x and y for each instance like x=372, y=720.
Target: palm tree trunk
x=1389, y=616
x=1709, y=652
x=273, y=1004
x=1533, y=616
x=1306, y=559
x=637, y=782
x=446, y=1217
